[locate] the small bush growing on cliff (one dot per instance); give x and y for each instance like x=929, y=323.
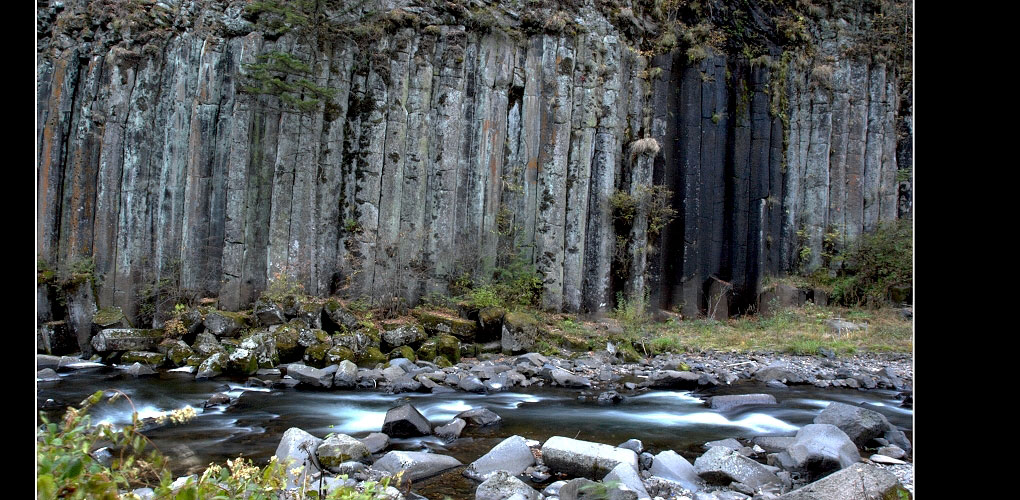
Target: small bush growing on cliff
x=875, y=265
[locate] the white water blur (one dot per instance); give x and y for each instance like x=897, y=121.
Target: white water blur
x=755, y=422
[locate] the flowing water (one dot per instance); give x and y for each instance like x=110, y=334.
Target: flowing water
x=257, y=418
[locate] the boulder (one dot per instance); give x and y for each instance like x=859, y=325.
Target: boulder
x=773, y=444
x=450, y=431
x=206, y=345
x=627, y=476
x=502, y=485
x=151, y=359
x=818, y=449
x=405, y=421
x=339, y=317
x=566, y=379
x=416, y=465
x=471, y=383
x=376, y=442
x=861, y=424
x=47, y=375
x=674, y=379
x=512, y=455
x=224, y=323
x=856, y=482
x=490, y=319
x=137, y=369
x=127, y=339
x=297, y=449
x=212, y=366
x=721, y=466
x=268, y=313
x=55, y=337
x=479, y=417
x=340, y=448
x=109, y=317
x=315, y=377
x=437, y=324
x=81, y=308
x=176, y=351
x=519, y=333
x=288, y=346
x=585, y=458
x=311, y=313
x=255, y=351
x=403, y=336
x=633, y=444
x=669, y=465
x=728, y=402
x=346, y=375
x=779, y=370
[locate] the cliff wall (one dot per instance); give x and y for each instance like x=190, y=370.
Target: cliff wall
x=389, y=150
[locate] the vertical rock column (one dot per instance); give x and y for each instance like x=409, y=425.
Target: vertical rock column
x=687, y=290
x=584, y=119
x=557, y=71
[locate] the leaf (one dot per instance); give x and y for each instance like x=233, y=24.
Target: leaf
x=187, y=493
x=74, y=470
x=46, y=486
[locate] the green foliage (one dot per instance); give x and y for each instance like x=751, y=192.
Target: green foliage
x=514, y=286
x=877, y=263
x=288, y=78
x=624, y=206
x=66, y=469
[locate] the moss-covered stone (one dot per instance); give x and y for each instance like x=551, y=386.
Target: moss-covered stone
x=428, y=349
x=442, y=362
x=628, y=353
x=520, y=332
x=110, y=317
x=287, y=345
x=468, y=350
x=403, y=351
x=371, y=357
x=315, y=354
x=127, y=339
x=436, y=324
x=449, y=346
x=340, y=319
x=225, y=323
x=153, y=359
x=177, y=352
x=338, y=353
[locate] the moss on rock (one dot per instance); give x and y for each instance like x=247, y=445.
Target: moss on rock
x=403, y=351
x=371, y=357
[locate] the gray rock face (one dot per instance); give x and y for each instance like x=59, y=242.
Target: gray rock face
x=405, y=421
x=223, y=324
x=212, y=366
x=818, y=449
x=728, y=402
x=861, y=424
x=297, y=449
x=512, y=455
x=856, y=482
x=501, y=485
x=417, y=465
x=585, y=458
x=669, y=465
x=780, y=371
x=721, y=465
x=56, y=338
x=487, y=132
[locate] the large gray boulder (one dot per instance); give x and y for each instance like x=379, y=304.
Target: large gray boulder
x=416, y=464
x=818, y=449
x=224, y=323
x=405, y=421
x=861, y=424
x=268, y=312
x=502, y=485
x=512, y=455
x=782, y=371
x=315, y=377
x=731, y=401
x=856, y=482
x=340, y=448
x=627, y=476
x=451, y=430
x=674, y=379
x=297, y=450
x=404, y=335
x=670, y=465
x=721, y=465
x=566, y=379
x=479, y=417
x=206, y=344
x=346, y=375
x=376, y=442
x=585, y=458
x=127, y=339
x=212, y=366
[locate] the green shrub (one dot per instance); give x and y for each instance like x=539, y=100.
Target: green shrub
x=876, y=264
x=65, y=467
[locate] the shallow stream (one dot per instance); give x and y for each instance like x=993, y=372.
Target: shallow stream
x=252, y=425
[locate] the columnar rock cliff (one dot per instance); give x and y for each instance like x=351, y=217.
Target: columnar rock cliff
x=389, y=149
